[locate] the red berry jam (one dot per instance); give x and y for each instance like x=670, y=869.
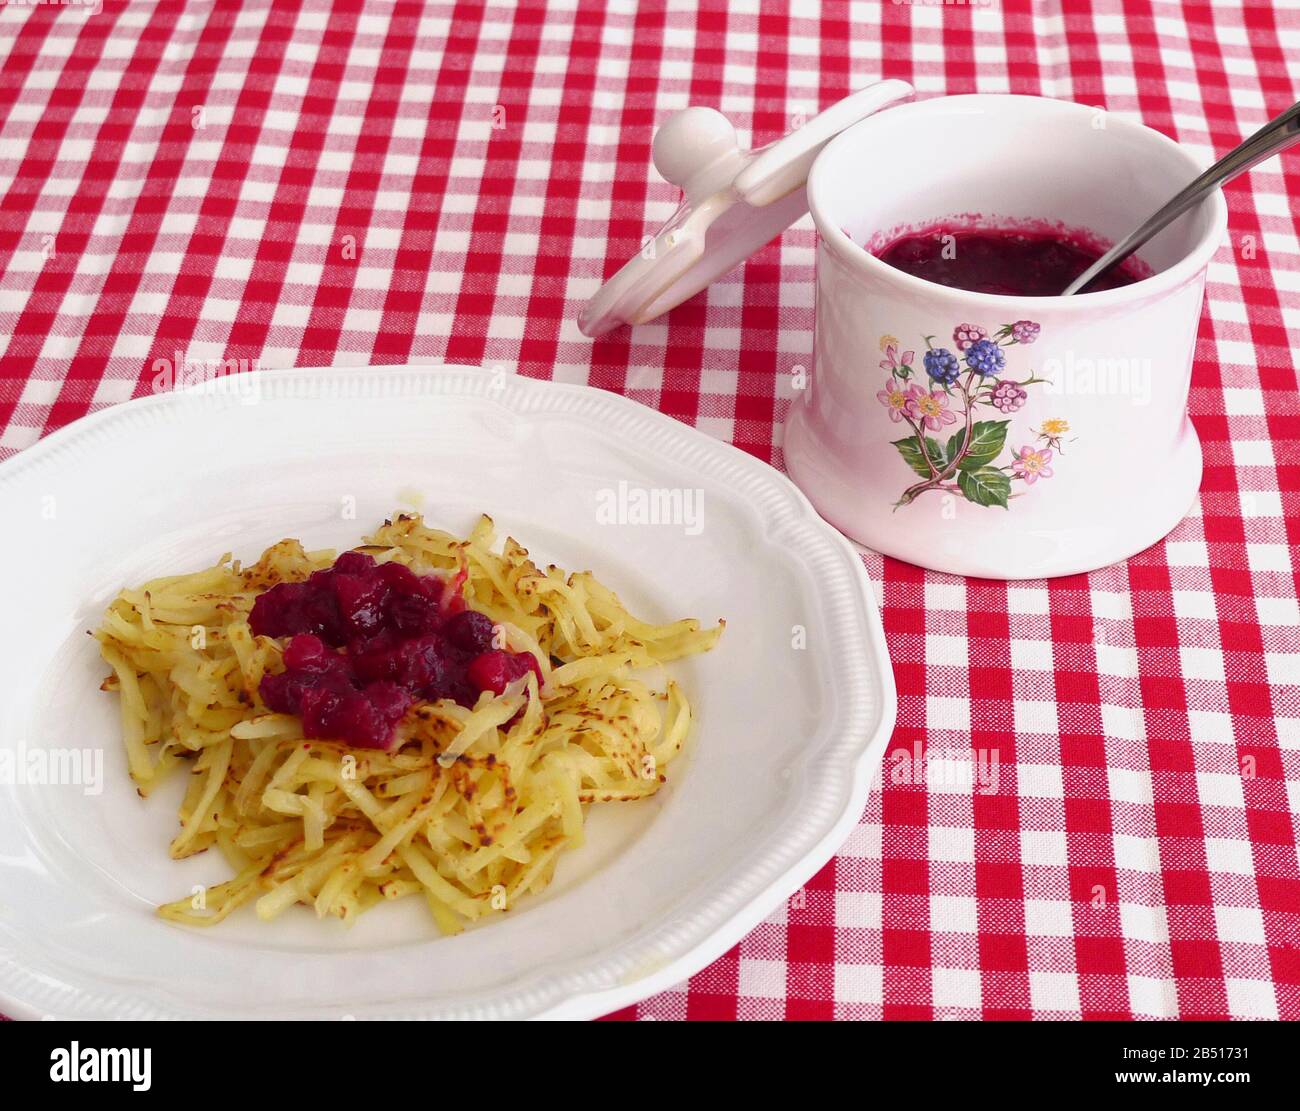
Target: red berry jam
x=989, y=260
x=368, y=641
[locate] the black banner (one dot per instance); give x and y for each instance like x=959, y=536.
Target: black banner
x=1010, y=1058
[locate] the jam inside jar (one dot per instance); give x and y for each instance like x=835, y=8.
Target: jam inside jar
x=1005, y=261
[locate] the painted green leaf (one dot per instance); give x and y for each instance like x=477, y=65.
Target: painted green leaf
x=950, y=450
x=987, y=439
x=910, y=450
x=987, y=486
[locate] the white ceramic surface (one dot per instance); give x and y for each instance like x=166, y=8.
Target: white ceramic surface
x=774, y=778
x=1117, y=362
x=733, y=202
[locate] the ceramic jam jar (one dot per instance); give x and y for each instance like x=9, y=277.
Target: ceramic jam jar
x=986, y=432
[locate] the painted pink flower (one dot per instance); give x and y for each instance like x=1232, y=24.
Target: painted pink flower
x=964, y=335
x=1032, y=463
x=892, y=361
x=895, y=400
x=930, y=408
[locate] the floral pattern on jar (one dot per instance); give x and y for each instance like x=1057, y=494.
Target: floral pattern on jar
x=947, y=392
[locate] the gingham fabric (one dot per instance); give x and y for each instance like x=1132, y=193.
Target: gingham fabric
x=305, y=183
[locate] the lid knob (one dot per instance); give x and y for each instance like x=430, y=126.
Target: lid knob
x=695, y=147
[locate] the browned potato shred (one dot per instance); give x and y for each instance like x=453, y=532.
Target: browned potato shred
x=470, y=808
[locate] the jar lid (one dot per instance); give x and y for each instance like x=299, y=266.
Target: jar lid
x=733, y=203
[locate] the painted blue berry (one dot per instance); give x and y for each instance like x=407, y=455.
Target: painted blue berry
x=941, y=365
x=985, y=357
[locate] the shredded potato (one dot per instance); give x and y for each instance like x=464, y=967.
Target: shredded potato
x=470, y=808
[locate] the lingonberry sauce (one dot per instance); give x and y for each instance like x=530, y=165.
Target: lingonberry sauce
x=990, y=260
x=368, y=640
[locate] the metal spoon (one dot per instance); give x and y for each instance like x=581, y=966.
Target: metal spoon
x=1276, y=135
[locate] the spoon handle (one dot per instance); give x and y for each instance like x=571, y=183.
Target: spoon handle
x=1274, y=136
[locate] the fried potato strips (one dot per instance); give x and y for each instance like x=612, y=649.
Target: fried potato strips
x=469, y=809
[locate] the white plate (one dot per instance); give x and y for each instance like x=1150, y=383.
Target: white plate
x=774, y=779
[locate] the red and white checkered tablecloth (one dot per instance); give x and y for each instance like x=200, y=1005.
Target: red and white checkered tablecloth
x=298, y=182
